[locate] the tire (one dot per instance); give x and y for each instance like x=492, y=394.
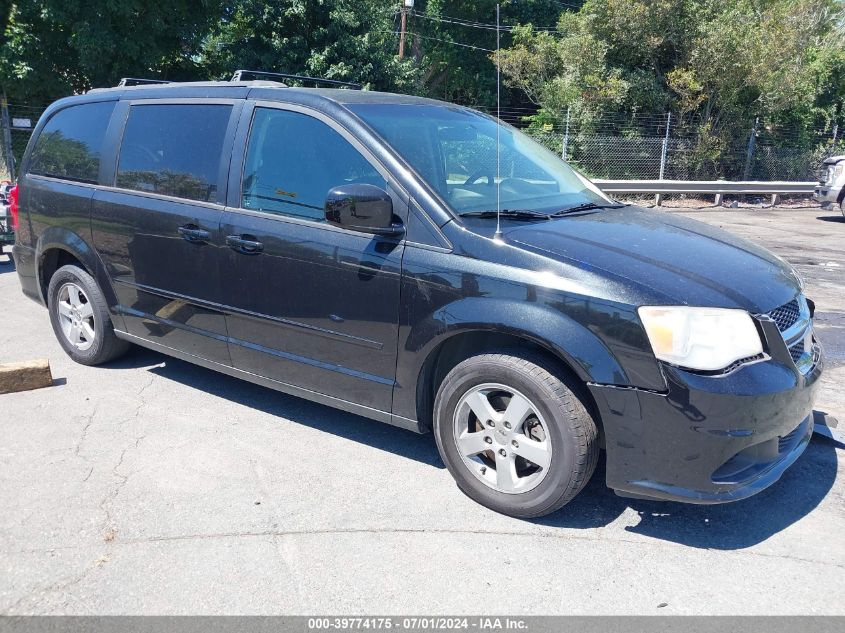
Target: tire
x=567, y=433
x=83, y=311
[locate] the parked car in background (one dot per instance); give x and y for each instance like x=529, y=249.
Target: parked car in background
x=8, y=216
x=346, y=246
x=831, y=189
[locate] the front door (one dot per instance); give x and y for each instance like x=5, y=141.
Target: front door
x=309, y=304
x=157, y=229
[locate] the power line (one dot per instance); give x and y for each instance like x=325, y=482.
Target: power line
x=478, y=25
x=487, y=25
x=467, y=23
x=437, y=39
x=567, y=5
x=455, y=20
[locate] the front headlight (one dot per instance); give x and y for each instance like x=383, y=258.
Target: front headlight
x=707, y=339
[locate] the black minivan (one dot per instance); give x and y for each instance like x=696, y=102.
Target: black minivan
x=345, y=246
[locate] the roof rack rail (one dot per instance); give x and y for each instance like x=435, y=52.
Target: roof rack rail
x=239, y=74
x=133, y=81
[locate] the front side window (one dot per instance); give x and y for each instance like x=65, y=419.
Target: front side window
x=292, y=162
x=70, y=143
x=173, y=150
x=454, y=150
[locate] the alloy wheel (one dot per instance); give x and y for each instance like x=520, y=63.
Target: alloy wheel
x=502, y=438
x=76, y=316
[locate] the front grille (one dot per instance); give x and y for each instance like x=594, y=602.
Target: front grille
x=786, y=315
x=794, y=322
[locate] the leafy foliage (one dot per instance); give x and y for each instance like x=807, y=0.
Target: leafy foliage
x=455, y=55
x=334, y=39
x=52, y=48
x=720, y=64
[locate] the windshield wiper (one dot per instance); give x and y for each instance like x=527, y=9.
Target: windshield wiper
x=519, y=214
x=586, y=206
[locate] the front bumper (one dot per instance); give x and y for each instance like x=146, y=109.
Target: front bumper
x=827, y=194
x=708, y=439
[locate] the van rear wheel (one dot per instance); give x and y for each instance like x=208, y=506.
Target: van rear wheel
x=80, y=317
x=514, y=435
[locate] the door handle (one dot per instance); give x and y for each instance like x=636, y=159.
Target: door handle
x=245, y=244
x=192, y=233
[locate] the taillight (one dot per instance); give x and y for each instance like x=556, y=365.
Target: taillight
x=13, y=206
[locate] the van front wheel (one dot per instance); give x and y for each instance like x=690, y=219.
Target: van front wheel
x=80, y=317
x=514, y=435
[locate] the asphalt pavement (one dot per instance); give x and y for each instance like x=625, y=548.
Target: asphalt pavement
x=152, y=486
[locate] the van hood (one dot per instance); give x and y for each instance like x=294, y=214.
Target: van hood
x=670, y=259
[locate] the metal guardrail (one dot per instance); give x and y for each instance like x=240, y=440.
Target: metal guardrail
x=718, y=188
x=711, y=187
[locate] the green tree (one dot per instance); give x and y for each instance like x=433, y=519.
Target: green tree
x=568, y=70
x=51, y=48
x=719, y=64
x=351, y=40
x=452, y=41
x=725, y=62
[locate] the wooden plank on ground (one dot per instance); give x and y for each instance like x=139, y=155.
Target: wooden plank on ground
x=26, y=375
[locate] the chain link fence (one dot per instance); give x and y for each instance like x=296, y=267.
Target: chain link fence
x=623, y=149
x=16, y=124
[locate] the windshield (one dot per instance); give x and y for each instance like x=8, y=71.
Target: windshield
x=454, y=150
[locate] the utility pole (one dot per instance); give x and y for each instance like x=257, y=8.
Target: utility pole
x=403, y=9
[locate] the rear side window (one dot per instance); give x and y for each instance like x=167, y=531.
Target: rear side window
x=70, y=143
x=173, y=150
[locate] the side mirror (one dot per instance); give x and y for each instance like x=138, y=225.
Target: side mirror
x=362, y=207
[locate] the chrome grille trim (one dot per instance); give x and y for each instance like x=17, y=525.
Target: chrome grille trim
x=795, y=325
x=791, y=326
x=786, y=315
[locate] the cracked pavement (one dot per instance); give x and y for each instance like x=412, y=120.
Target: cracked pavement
x=151, y=486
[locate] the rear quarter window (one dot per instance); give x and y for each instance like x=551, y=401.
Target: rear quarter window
x=70, y=143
